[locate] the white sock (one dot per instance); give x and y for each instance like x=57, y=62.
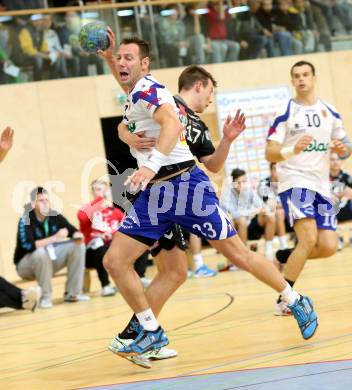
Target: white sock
x=147, y=319
x=269, y=251
x=289, y=295
x=283, y=242
x=198, y=261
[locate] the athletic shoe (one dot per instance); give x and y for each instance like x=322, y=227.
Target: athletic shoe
x=305, y=315
x=31, y=297
x=147, y=340
x=117, y=343
x=158, y=354
x=146, y=282
x=204, y=272
x=281, y=309
x=108, y=291
x=69, y=298
x=45, y=303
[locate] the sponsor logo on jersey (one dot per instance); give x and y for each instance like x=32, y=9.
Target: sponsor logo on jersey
x=317, y=147
x=297, y=130
x=131, y=127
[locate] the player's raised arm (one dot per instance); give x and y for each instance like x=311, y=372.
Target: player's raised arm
x=109, y=56
x=6, y=141
x=233, y=127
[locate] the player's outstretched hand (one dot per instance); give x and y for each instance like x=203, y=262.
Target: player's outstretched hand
x=139, y=179
x=233, y=127
x=302, y=143
x=109, y=52
x=338, y=147
x=6, y=139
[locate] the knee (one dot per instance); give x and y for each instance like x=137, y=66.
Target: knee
x=112, y=262
x=309, y=242
x=177, y=275
x=327, y=248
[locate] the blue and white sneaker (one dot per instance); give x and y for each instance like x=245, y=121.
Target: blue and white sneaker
x=146, y=340
x=204, y=272
x=305, y=315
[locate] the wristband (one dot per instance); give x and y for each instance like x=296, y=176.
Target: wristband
x=156, y=160
x=287, y=152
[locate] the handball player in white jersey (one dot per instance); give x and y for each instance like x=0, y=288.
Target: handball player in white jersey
x=186, y=191
x=300, y=140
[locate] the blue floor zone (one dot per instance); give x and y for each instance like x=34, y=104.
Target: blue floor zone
x=335, y=375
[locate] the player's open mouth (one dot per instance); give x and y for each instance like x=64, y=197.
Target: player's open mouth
x=123, y=75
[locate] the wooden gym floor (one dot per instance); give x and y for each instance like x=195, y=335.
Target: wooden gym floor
x=221, y=325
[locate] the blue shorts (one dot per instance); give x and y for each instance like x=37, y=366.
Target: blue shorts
x=300, y=203
x=188, y=200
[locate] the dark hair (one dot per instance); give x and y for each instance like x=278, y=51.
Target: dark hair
x=301, y=63
x=236, y=173
x=37, y=191
x=191, y=75
x=143, y=45
x=272, y=164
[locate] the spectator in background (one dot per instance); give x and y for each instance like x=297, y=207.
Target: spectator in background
x=286, y=19
x=98, y=221
x=17, y=298
x=251, y=217
x=306, y=32
x=198, y=47
x=268, y=191
x=248, y=28
x=222, y=49
x=266, y=17
x=322, y=29
x=14, y=5
x=341, y=187
x=10, y=295
x=172, y=37
x=34, y=50
x=5, y=61
x=42, y=249
x=56, y=53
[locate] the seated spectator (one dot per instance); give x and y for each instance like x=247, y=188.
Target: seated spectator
x=222, y=49
x=9, y=73
x=286, y=19
x=34, y=50
x=266, y=17
x=172, y=37
x=341, y=187
x=340, y=9
x=306, y=31
x=16, y=298
x=268, y=191
x=198, y=47
x=56, y=53
x=251, y=217
x=248, y=29
x=14, y=5
x=80, y=60
x=98, y=221
x=322, y=29
x=43, y=249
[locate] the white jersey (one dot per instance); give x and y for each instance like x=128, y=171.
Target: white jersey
x=310, y=168
x=142, y=101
